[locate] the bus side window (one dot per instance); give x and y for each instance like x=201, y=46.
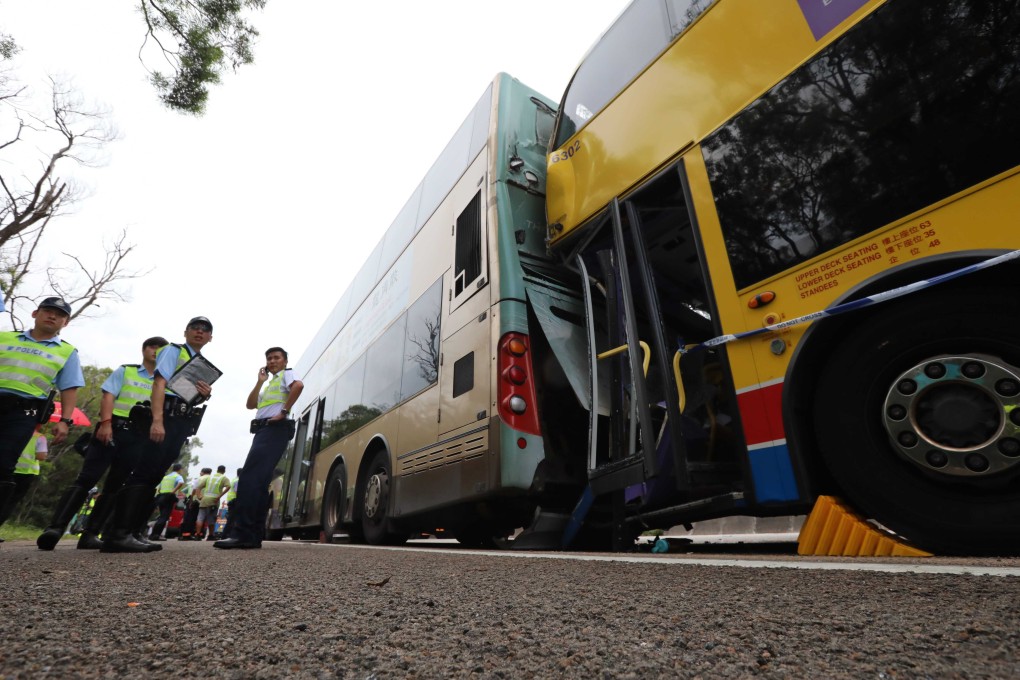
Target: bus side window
x=467, y=264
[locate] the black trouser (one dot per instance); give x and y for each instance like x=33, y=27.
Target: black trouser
x=165, y=502
x=157, y=458
x=231, y=517
x=22, y=483
x=190, y=515
x=120, y=457
x=252, y=500
x=152, y=463
x=17, y=423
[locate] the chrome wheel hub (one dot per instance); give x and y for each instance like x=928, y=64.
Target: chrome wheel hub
x=956, y=415
x=375, y=494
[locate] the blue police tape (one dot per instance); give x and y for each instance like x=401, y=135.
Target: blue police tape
x=862, y=302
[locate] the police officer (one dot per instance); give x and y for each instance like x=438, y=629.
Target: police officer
x=173, y=421
x=273, y=428
x=32, y=364
x=166, y=499
x=116, y=445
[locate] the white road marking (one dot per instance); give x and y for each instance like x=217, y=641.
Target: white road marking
x=854, y=564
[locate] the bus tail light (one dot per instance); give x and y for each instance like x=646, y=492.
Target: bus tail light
x=518, y=406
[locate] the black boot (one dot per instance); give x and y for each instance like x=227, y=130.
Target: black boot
x=141, y=532
x=125, y=521
x=68, y=504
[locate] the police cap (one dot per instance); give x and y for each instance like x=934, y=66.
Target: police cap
x=56, y=303
x=201, y=321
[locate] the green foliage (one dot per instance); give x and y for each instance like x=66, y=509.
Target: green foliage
x=348, y=421
x=8, y=48
x=199, y=38
x=189, y=456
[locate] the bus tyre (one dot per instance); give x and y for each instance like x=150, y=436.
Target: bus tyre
x=914, y=417
x=375, y=502
x=333, y=503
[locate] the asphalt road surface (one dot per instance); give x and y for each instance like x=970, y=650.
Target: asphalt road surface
x=324, y=611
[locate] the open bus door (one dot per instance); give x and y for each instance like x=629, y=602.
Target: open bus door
x=306, y=445
x=668, y=448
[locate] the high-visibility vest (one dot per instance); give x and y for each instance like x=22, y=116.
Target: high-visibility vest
x=136, y=388
x=168, y=483
x=183, y=357
x=212, y=485
x=232, y=494
x=28, y=464
x=30, y=367
x=273, y=392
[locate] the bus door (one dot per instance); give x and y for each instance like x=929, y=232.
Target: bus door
x=306, y=445
x=465, y=353
x=671, y=436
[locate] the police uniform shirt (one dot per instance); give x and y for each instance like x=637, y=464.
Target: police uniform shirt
x=68, y=377
x=274, y=409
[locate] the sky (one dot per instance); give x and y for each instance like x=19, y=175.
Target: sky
x=259, y=213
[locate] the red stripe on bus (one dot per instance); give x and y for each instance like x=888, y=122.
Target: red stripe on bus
x=762, y=413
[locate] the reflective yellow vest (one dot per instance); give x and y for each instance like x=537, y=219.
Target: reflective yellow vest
x=168, y=483
x=28, y=464
x=273, y=392
x=136, y=388
x=212, y=485
x=30, y=367
x=232, y=494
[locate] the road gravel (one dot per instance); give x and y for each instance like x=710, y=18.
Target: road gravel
x=294, y=610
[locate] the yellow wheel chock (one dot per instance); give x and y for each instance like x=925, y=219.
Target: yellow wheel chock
x=834, y=529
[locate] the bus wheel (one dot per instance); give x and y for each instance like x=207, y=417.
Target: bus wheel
x=917, y=414
x=376, y=501
x=333, y=501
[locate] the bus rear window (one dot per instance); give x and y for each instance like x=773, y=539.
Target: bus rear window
x=918, y=102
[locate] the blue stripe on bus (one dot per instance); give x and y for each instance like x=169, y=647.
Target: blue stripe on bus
x=772, y=473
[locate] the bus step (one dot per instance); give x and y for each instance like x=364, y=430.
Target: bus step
x=691, y=511
x=833, y=529
x=545, y=532
x=617, y=474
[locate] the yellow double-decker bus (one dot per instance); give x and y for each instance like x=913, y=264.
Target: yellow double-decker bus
x=721, y=170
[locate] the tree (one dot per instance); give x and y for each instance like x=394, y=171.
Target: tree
x=189, y=455
x=74, y=134
x=198, y=39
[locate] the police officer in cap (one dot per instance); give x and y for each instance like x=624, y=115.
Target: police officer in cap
x=115, y=446
x=34, y=363
x=173, y=421
x=273, y=428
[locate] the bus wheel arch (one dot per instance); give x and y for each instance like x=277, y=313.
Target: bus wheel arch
x=814, y=349
x=940, y=511
x=334, y=501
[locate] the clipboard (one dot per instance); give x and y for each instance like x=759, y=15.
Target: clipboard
x=182, y=383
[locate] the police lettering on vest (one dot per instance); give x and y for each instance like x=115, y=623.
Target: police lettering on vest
x=136, y=388
x=29, y=367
